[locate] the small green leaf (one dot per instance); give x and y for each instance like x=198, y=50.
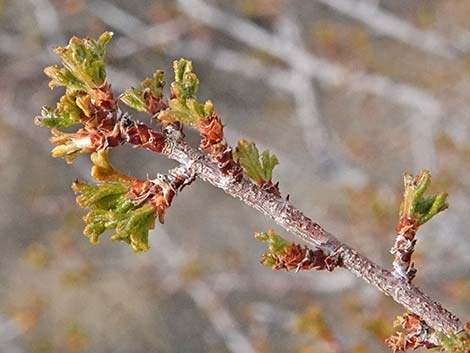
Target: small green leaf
x=99, y=196
x=417, y=206
x=67, y=113
x=184, y=107
x=258, y=170
x=70, y=145
x=277, y=245
x=452, y=343
x=111, y=209
x=439, y=204
x=83, y=61
x=149, y=88
x=63, y=77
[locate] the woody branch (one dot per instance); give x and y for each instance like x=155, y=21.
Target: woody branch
x=130, y=206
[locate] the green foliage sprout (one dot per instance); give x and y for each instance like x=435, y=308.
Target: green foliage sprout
x=456, y=343
x=417, y=206
x=111, y=209
x=258, y=169
x=136, y=97
x=83, y=61
x=67, y=113
x=83, y=71
x=277, y=245
x=183, y=107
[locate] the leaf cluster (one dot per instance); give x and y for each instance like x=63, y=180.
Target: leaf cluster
x=83, y=64
x=111, y=209
x=183, y=106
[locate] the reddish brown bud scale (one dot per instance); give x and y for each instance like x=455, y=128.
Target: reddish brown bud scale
x=212, y=131
x=404, y=248
x=213, y=143
x=417, y=334
x=141, y=135
x=154, y=105
x=297, y=258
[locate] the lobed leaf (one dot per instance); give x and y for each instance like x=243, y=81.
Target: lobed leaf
x=115, y=205
x=277, y=245
x=63, y=77
x=67, y=113
x=111, y=209
x=417, y=206
x=150, y=88
x=183, y=107
x=83, y=61
x=258, y=170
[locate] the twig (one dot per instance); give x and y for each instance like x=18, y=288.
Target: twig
x=142, y=36
x=387, y=24
x=200, y=292
x=295, y=222
x=8, y=332
x=106, y=126
x=310, y=65
x=315, y=135
x=207, y=300
x=47, y=20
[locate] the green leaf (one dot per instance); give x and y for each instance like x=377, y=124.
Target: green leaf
x=67, y=113
x=83, y=61
x=150, y=88
x=417, y=206
x=453, y=343
x=63, y=77
x=277, y=245
x=258, y=170
x=70, y=145
x=111, y=209
x=184, y=107
x=439, y=204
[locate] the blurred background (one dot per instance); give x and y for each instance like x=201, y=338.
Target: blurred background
x=348, y=94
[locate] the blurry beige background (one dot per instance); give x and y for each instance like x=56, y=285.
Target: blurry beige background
x=348, y=94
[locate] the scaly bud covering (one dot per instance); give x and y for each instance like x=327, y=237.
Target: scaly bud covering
x=416, y=333
x=291, y=256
